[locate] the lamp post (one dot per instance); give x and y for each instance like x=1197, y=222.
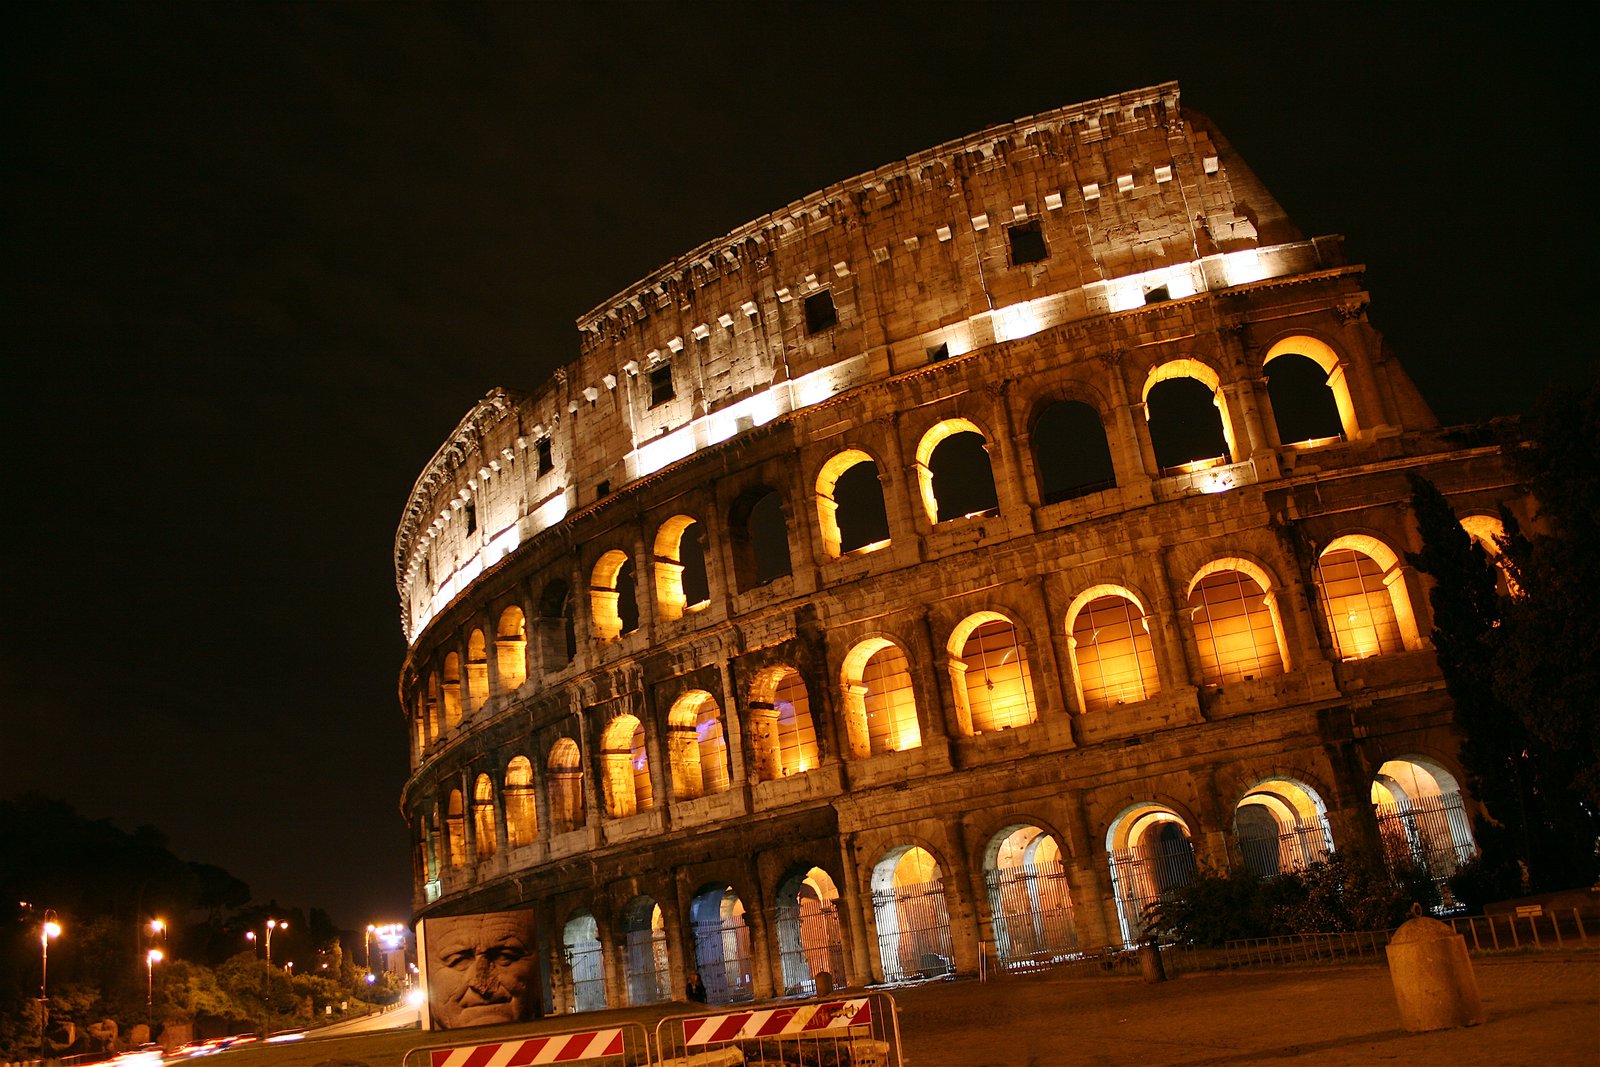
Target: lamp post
x=151, y=958
x=49, y=928
x=367, y=963
x=273, y=924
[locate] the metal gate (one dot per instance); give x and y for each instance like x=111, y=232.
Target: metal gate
x=1032, y=916
x=1269, y=855
x=646, y=967
x=722, y=953
x=1146, y=874
x=913, y=931
x=587, y=967
x=859, y=1031
x=1433, y=832
x=809, y=944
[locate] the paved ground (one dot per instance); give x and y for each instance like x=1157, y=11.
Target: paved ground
x=1544, y=1011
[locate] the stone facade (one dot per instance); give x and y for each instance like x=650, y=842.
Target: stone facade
x=725, y=655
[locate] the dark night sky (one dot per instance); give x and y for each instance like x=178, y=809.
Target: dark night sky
x=261, y=259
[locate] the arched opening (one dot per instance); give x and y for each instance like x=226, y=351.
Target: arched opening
x=522, y=809
x=1302, y=404
x=1113, y=659
x=989, y=674
x=1309, y=393
x=1029, y=900
x=430, y=709
x=419, y=719
x=477, y=670
x=954, y=473
x=1236, y=627
x=912, y=915
x=646, y=967
x=850, y=508
x=1364, y=599
x=1489, y=533
x=1188, y=417
x=483, y=817
x=697, y=746
x=1282, y=826
x=1151, y=856
x=782, y=733
x=682, y=585
x=455, y=831
x=557, y=629
x=1070, y=452
x=880, y=707
x=613, y=596
x=627, y=768
x=758, y=534
x=565, y=767
x=452, y=691
x=1422, y=819
x=580, y=943
x=721, y=944
x=511, y=650
x=810, y=943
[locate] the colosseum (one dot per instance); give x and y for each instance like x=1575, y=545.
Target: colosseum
x=935, y=570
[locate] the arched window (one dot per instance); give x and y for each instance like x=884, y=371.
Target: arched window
x=522, y=809
x=1364, y=597
x=989, y=673
x=452, y=691
x=1070, y=452
x=430, y=707
x=511, y=650
x=627, y=768
x=455, y=831
x=1487, y=532
x=565, y=767
x=850, y=507
x=1282, y=825
x=880, y=707
x=810, y=941
x=697, y=746
x=1310, y=404
x=1235, y=623
x=758, y=535
x=1113, y=661
x=483, y=817
x=1188, y=417
x=1151, y=857
x=557, y=629
x=1422, y=819
x=912, y=915
x=477, y=670
x=613, y=598
x=681, y=582
x=954, y=473
x=782, y=734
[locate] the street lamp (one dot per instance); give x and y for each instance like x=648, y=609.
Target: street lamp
x=49, y=928
x=273, y=924
x=371, y=929
x=151, y=958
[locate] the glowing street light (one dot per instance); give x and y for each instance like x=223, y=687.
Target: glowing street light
x=367, y=963
x=49, y=928
x=151, y=958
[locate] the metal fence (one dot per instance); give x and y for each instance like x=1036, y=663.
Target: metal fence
x=809, y=944
x=646, y=967
x=1032, y=914
x=586, y=965
x=623, y=1045
x=1145, y=875
x=1268, y=856
x=722, y=954
x=1431, y=832
x=1528, y=928
x=913, y=932
x=856, y=1031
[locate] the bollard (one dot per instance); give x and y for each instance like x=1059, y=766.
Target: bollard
x=1150, y=962
x=1433, y=981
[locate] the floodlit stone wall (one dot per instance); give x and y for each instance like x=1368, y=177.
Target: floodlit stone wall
x=943, y=566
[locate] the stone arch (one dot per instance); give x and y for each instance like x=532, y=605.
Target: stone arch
x=455, y=830
x=431, y=706
x=758, y=536
x=647, y=970
x=1151, y=855
x=989, y=674
x=682, y=584
x=850, y=508
x=810, y=941
x=1030, y=901
x=954, y=474
x=1320, y=405
x=1237, y=627
x=477, y=669
x=912, y=914
x=450, y=677
x=1422, y=816
x=697, y=746
x=783, y=734
x=585, y=957
x=556, y=632
x=879, y=700
x=613, y=597
x=564, y=767
x=1362, y=586
x=511, y=649
x=522, y=809
x=483, y=821
x=721, y=943
x=1489, y=533
x=1189, y=424
x=625, y=760
x=1281, y=825
x=1113, y=656
x=1072, y=456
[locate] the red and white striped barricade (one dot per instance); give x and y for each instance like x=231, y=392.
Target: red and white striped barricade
x=615, y=1045
x=859, y=1031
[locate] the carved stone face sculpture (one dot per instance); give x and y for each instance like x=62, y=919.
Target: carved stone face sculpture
x=481, y=969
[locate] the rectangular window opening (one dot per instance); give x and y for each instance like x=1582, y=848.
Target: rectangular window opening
x=820, y=312
x=1027, y=244
x=661, y=389
x=938, y=353
x=602, y=490
x=547, y=462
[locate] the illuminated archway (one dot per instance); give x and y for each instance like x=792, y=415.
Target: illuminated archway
x=989, y=674
x=782, y=733
x=646, y=966
x=1422, y=818
x=954, y=474
x=1189, y=425
x=430, y=707
x=477, y=670
x=1113, y=659
x=1236, y=626
x=1281, y=826
x=511, y=650
x=565, y=767
x=483, y=828
x=1488, y=532
x=613, y=603
x=809, y=939
x=522, y=809
x=452, y=691
x=697, y=746
x=626, y=764
x=1030, y=903
x=880, y=708
x=682, y=585
x=912, y=915
x=1334, y=382
x=721, y=943
x=585, y=956
x=1364, y=598
x=850, y=508
x=1151, y=856
x=455, y=831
